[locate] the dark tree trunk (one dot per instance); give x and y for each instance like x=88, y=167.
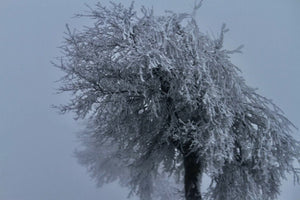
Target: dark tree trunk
x=192, y=168
x=192, y=177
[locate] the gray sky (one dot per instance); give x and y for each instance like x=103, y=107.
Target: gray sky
x=37, y=144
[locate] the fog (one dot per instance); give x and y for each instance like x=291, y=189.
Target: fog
x=37, y=144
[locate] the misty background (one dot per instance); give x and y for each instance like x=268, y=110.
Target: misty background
x=37, y=144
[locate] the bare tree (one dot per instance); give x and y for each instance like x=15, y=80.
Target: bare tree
x=163, y=99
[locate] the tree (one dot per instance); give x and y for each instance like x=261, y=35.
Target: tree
x=163, y=99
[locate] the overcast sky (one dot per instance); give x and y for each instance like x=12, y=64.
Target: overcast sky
x=37, y=144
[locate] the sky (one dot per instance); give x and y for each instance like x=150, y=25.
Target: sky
x=37, y=144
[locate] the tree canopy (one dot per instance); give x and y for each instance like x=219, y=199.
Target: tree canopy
x=163, y=99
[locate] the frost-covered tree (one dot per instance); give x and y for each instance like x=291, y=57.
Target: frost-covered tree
x=165, y=105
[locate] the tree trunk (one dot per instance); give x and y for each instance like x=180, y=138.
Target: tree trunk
x=192, y=177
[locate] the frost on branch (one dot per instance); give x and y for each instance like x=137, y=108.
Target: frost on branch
x=156, y=92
